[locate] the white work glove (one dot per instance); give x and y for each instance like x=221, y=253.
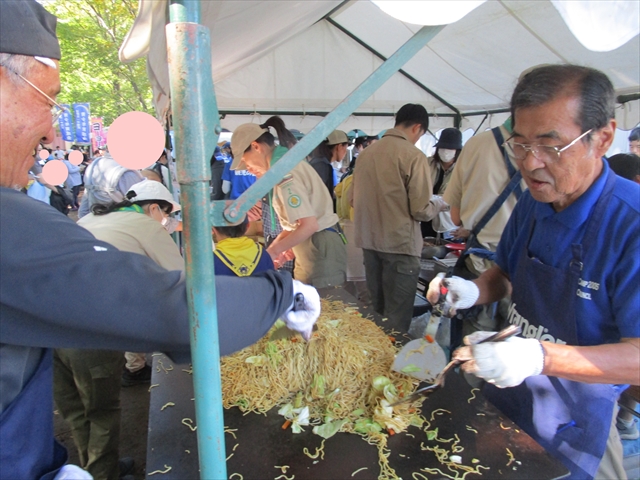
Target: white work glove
x=72, y=472
x=504, y=364
x=439, y=203
x=434, y=207
x=462, y=293
x=303, y=320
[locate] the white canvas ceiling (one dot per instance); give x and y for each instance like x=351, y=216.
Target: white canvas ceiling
x=302, y=58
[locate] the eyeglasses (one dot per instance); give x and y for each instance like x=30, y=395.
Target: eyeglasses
x=519, y=151
x=56, y=109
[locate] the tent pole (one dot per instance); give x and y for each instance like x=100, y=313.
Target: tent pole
x=236, y=211
x=196, y=127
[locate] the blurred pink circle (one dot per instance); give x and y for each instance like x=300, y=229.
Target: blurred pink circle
x=44, y=154
x=55, y=172
x=136, y=140
x=76, y=157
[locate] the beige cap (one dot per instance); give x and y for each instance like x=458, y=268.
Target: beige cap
x=150, y=190
x=336, y=137
x=240, y=141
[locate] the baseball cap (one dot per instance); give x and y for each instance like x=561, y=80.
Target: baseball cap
x=240, y=141
x=150, y=190
x=336, y=137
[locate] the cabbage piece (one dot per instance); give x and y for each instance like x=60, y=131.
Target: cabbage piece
x=417, y=421
x=334, y=323
x=329, y=429
x=317, y=386
x=273, y=353
x=390, y=393
x=256, y=360
x=302, y=419
x=411, y=368
x=287, y=411
x=380, y=382
x=366, y=426
x=432, y=434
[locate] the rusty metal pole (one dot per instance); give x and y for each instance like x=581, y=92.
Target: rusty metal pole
x=196, y=127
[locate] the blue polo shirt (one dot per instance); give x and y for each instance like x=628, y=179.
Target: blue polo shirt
x=608, y=303
x=240, y=180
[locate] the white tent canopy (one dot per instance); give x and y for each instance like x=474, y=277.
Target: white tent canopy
x=301, y=58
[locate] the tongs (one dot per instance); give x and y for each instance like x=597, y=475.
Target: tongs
x=508, y=332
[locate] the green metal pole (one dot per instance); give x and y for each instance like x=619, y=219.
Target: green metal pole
x=195, y=119
x=223, y=215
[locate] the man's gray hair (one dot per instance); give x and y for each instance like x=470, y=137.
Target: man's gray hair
x=20, y=64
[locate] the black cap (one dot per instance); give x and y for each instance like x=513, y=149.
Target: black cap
x=450, y=138
x=26, y=28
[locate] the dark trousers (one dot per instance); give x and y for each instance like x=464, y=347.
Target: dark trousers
x=217, y=167
x=76, y=192
x=392, y=280
x=86, y=390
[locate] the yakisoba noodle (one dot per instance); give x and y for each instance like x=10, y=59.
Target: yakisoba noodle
x=347, y=352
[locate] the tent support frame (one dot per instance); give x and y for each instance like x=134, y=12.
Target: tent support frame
x=234, y=213
x=414, y=80
x=196, y=127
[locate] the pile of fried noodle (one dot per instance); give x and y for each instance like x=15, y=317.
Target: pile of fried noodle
x=333, y=375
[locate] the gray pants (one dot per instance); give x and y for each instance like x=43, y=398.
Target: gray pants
x=392, y=280
x=86, y=390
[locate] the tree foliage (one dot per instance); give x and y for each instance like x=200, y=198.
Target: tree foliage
x=90, y=33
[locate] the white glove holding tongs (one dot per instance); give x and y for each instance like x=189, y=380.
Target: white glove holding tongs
x=459, y=293
x=504, y=364
x=305, y=310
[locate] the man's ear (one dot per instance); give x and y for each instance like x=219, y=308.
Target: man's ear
x=604, y=139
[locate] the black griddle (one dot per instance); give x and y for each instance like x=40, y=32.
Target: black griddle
x=262, y=444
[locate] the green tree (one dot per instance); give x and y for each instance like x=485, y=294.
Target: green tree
x=90, y=33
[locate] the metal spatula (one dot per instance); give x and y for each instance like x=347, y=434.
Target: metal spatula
x=510, y=331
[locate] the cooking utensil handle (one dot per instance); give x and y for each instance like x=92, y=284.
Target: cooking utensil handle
x=508, y=332
x=298, y=302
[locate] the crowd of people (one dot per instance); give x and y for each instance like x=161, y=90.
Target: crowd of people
x=552, y=238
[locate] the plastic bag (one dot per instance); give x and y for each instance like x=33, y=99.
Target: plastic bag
x=418, y=325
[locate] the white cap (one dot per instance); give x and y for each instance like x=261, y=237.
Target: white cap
x=150, y=190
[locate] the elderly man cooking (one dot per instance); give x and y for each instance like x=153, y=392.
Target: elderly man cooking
x=569, y=254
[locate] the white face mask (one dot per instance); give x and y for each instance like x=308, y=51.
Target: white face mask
x=446, y=155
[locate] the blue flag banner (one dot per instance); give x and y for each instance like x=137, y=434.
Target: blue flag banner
x=66, y=125
x=83, y=124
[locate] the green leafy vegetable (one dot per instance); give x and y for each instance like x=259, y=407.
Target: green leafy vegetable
x=411, y=368
x=329, y=429
x=317, y=386
x=380, y=382
x=256, y=360
x=366, y=425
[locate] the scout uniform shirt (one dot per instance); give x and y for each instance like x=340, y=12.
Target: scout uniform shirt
x=477, y=180
x=300, y=194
